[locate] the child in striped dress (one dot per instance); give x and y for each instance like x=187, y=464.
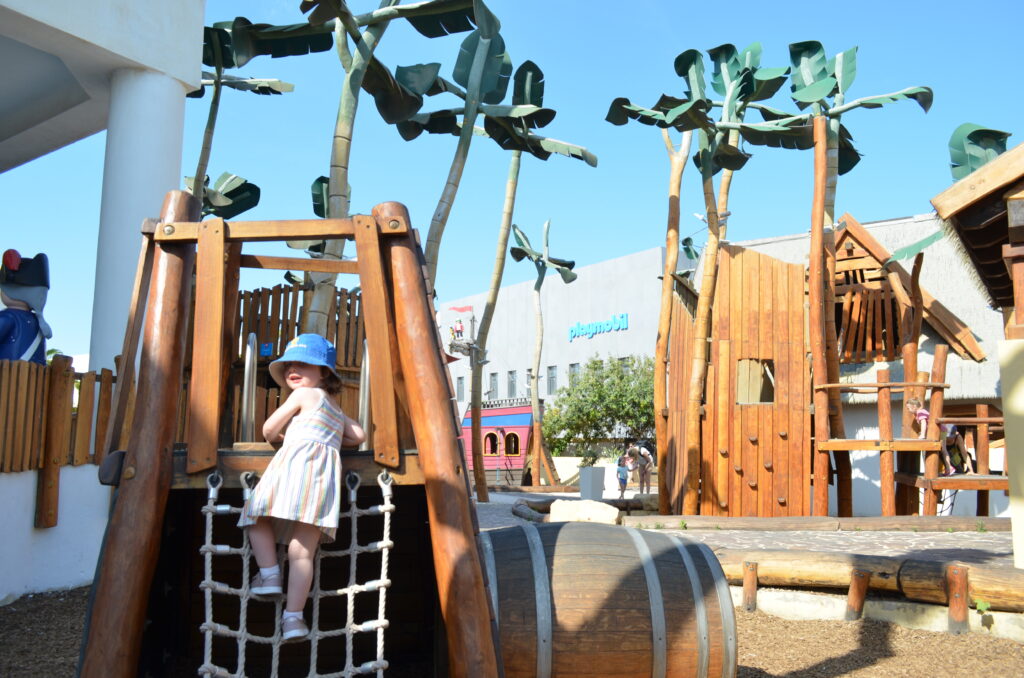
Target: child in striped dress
x=297, y=500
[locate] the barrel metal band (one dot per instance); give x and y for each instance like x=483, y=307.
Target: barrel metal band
x=487, y=546
x=542, y=589
x=699, y=609
x=729, y=656
x=659, y=645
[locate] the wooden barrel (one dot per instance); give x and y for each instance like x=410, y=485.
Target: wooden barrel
x=584, y=600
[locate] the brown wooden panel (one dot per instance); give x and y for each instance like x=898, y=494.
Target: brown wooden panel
x=207, y=341
x=735, y=421
x=892, y=331
x=6, y=450
x=708, y=465
x=379, y=328
x=799, y=421
x=20, y=420
x=83, y=420
x=103, y=412
x=778, y=443
x=58, y=439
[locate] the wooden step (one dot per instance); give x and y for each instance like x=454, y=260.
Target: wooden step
x=901, y=445
x=955, y=482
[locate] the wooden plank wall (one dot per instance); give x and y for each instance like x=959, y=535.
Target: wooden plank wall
x=756, y=457
x=680, y=336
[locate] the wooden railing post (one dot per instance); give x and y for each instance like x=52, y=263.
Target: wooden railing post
x=957, y=593
x=57, y=440
x=931, y=458
x=886, y=465
x=749, y=586
x=859, y=580
x=117, y=616
x=460, y=580
x=981, y=450
x=907, y=496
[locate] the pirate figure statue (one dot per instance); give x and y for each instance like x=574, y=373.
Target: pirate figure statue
x=23, y=287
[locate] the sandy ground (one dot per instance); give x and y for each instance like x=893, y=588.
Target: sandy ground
x=40, y=636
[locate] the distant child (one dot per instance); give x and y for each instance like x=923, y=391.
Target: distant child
x=622, y=471
x=950, y=437
x=644, y=461
x=297, y=500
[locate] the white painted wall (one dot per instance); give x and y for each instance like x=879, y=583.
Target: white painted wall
x=58, y=557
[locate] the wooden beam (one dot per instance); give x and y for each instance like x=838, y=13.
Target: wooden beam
x=995, y=176
x=880, y=445
x=285, y=229
x=896, y=385
x=58, y=439
x=299, y=264
x=131, y=544
x=887, y=467
x=931, y=458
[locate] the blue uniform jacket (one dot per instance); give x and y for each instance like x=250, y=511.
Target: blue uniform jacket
x=18, y=329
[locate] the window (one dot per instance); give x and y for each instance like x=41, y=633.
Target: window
x=574, y=373
x=511, y=445
x=755, y=381
x=552, y=379
x=491, y=444
x=460, y=389
x=511, y=384
x=492, y=386
x=529, y=382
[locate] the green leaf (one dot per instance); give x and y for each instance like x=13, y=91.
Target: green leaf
x=922, y=95
x=913, y=249
x=254, y=85
x=848, y=155
x=249, y=40
x=436, y=122
x=444, y=23
x=528, y=85
x=497, y=66
x=729, y=157
x=223, y=36
x=508, y=134
x=727, y=67
x=394, y=101
x=972, y=146
x=797, y=134
x=669, y=112
x=229, y=196
x=322, y=10
x=487, y=23
x=750, y=57
x=690, y=67
x=530, y=116
x=767, y=81
x=809, y=63
x=319, y=189
x=816, y=91
x=844, y=67
x=523, y=249
x=420, y=78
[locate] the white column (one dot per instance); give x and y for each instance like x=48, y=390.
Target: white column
x=142, y=163
x=1011, y=374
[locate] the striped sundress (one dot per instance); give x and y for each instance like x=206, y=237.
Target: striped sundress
x=302, y=481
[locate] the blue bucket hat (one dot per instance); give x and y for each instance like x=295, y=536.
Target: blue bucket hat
x=311, y=349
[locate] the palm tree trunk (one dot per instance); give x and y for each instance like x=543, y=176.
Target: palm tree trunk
x=451, y=186
x=199, y=179
x=837, y=428
x=485, y=323
x=677, y=165
x=538, y=343
x=699, y=351
x=316, y=316
x=815, y=294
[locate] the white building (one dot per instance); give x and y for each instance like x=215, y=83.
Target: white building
x=71, y=69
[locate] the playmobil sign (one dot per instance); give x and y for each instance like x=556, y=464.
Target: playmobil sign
x=617, y=323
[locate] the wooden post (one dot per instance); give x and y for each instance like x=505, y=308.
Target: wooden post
x=460, y=581
x=906, y=496
x=886, y=466
x=83, y=418
x=981, y=450
x=859, y=580
x=749, y=586
x=836, y=425
x=58, y=440
x=931, y=458
x=815, y=280
x=957, y=594
x=117, y=616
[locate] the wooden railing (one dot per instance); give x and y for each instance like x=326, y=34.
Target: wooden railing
x=39, y=411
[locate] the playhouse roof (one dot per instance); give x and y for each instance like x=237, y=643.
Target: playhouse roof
x=949, y=279
x=974, y=210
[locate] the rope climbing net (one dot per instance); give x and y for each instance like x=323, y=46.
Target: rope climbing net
x=242, y=634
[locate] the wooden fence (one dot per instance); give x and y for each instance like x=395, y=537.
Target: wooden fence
x=38, y=411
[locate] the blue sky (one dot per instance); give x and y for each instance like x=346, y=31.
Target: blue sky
x=591, y=52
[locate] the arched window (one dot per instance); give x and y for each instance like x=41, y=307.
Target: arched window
x=491, y=445
x=512, y=445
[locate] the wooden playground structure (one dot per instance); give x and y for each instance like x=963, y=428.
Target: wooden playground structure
x=171, y=592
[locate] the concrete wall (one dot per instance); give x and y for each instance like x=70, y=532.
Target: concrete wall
x=626, y=285
x=59, y=557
